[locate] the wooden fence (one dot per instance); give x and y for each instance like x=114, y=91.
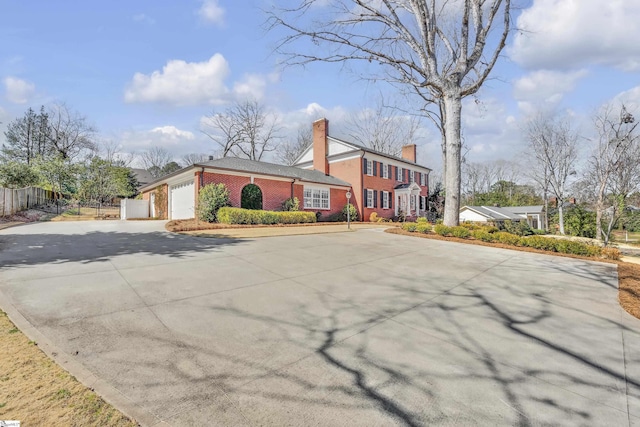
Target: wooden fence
x=16, y=200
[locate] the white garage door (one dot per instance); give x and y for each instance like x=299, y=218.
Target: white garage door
x=182, y=200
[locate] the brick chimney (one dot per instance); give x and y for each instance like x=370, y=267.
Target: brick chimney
x=320, y=133
x=409, y=152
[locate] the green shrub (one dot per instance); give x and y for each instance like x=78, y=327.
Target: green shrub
x=507, y=238
x=490, y=228
x=229, y=215
x=292, y=204
x=539, y=242
x=483, y=235
x=212, y=197
x=538, y=232
x=421, y=220
x=353, y=213
x=409, y=226
x=460, y=232
x=423, y=227
x=519, y=228
x=442, y=229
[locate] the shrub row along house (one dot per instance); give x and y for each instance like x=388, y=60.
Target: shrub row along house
x=320, y=179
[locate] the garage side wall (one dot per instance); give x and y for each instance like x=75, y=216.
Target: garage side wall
x=274, y=192
x=161, y=201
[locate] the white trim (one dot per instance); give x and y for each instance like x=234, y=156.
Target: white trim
x=369, y=170
x=321, y=190
x=385, y=199
x=367, y=205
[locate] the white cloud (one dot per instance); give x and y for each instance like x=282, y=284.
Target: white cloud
x=489, y=130
x=544, y=89
x=182, y=83
x=631, y=100
x=173, y=133
x=17, y=90
x=252, y=86
x=573, y=33
x=211, y=12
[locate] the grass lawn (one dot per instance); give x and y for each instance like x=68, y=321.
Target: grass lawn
x=38, y=392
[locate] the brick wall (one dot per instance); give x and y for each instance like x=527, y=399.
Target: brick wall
x=337, y=200
x=350, y=171
x=273, y=192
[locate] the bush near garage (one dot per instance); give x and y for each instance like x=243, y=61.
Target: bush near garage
x=212, y=197
x=228, y=215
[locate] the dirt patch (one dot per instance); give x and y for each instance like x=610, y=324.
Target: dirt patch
x=36, y=391
x=24, y=217
x=629, y=287
x=628, y=273
x=272, y=231
x=179, y=225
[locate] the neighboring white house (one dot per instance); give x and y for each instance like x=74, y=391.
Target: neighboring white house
x=532, y=214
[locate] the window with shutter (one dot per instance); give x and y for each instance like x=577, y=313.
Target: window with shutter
x=375, y=168
x=385, y=200
x=375, y=198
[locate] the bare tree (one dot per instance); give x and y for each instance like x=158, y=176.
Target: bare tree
x=613, y=167
x=112, y=152
x=553, y=150
x=193, y=158
x=289, y=151
x=383, y=129
x=155, y=159
x=69, y=133
x=435, y=49
x=244, y=130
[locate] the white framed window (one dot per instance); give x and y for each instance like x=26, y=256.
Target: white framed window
x=369, y=167
x=316, y=198
x=413, y=202
x=385, y=200
x=423, y=179
x=399, y=174
x=369, y=198
x=412, y=176
x=385, y=170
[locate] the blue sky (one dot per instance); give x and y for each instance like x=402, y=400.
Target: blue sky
x=146, y=72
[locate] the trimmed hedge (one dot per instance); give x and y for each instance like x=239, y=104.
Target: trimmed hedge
x=491, y=234
x=228, y=215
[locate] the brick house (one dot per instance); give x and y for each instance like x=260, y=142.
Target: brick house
x=174, y=196
x=380, y=182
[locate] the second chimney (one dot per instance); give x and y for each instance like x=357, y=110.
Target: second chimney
x=409, y=152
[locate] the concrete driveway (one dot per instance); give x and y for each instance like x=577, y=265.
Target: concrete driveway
x=362, y=328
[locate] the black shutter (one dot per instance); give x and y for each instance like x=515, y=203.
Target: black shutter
x=364, y=201
x=390, y=171
x=364, y=166
x=382, y=199
x=419, y=178
x=390, y=200
x=375, y=167
x=375, y=198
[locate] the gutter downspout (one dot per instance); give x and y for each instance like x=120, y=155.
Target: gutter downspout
x=362, y=187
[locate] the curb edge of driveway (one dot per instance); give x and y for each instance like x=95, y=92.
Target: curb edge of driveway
x=109, y=393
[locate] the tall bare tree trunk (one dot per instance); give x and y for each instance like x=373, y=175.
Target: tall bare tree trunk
x=561, y=216
x=453, y=109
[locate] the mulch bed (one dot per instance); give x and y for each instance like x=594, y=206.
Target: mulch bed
x=193, y=225
x=628, y=273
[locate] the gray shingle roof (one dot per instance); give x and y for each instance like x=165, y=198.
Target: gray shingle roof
x=253, y=166
x=143, y=176
x=379, y=153
x=493, y=212
x=525, y=209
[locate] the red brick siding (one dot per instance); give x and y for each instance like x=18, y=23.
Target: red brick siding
x=273, y=192
x=164, y=206
x=337, y=200
x=351, y=172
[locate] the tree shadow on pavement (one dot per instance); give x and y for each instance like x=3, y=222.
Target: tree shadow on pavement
x=20, y=250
